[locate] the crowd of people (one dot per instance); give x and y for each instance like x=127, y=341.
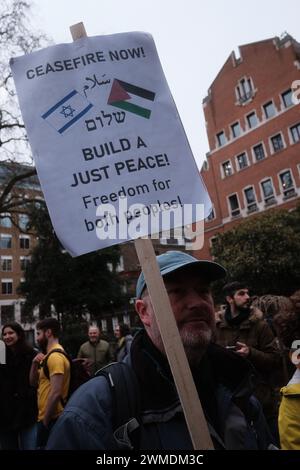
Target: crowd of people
x=245, y=362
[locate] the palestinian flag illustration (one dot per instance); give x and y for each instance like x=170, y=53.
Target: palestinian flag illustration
x=121, y=92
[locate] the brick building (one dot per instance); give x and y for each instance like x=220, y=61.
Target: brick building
x=253, y=128
x=16, y=243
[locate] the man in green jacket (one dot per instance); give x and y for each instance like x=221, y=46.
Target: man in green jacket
x=95, y=350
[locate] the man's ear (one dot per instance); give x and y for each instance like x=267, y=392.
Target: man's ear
x=142, y=311
x=229, y=299
x=48, y=332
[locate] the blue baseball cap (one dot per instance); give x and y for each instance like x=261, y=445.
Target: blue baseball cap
x=174, y=260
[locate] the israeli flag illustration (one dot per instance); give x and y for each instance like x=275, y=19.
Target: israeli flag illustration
x=67, y=111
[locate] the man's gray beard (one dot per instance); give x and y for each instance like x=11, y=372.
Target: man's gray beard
x=195, y=343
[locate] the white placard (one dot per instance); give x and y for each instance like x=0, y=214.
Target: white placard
x=106, y=137
x=2, y=352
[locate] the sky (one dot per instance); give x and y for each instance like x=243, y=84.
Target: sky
x=193, y=38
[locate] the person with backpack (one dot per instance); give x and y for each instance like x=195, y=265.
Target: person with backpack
x=52, y=388
x=135, y=405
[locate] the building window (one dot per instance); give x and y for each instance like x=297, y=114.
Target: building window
x=6, y=263
x=250, y=199
x=120, y=265
x=24, y=242
x=7, y=314
x=287, y=98
x=211, y=215
x=277, y=142
x=244, y=90
x=5, y=241
x=234, y=205
x=252, y=120
x=295, y=131
x=103, y=325
x=221, y=138
x=242, y=161
x=259, y=152
x=23, y=221
x=236, y=130
x=213, y=241
x=7, y=286
x=287, y=184
x=269, y=109
x=227, y=168
x=5, y=221
x=24, y=262
x=115, y=323
x=268, y=191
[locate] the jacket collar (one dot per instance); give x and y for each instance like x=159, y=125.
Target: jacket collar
x=156, y=383
x=254, y=316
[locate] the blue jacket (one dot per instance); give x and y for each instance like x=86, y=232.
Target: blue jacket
x=234, y=417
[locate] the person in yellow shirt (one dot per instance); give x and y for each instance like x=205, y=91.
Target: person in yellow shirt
x=53, y=390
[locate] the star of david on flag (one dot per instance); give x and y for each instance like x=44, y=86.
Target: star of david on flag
x=67, y=111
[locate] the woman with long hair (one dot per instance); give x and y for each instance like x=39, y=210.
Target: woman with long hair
x=18, y=403
x=124, y=340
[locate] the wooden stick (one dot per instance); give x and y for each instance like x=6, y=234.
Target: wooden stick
x=78, y=31
x=179, y=365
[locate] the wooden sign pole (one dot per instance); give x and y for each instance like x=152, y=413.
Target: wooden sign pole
x=179, y=365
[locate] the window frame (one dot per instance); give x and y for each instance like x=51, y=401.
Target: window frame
x=248, y=122
x=24, y=238
x=268, y=200
x=237, y=162
x=251, y=206
x=24, y=261
x=7, y=236
x=3, y=259
x=236, y=123
x=243, y=93
x=290, y=191
x=6, y=282
x=272, y=148
x=253, y=152
x=287, y=92
x=219, y=144
x=6, y=216
x=223, y=173
x=295, y=126
x=238, y=209
x=265, y=111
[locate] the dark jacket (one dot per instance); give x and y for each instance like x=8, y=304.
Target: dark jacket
x=264, y=353
x=123, y=347
x=18, y=402
x=223, y=382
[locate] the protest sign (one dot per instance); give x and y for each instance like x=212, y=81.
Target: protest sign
x=110, y=150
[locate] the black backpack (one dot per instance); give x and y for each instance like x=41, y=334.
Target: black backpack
x=126, y=403
x=78, y=370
